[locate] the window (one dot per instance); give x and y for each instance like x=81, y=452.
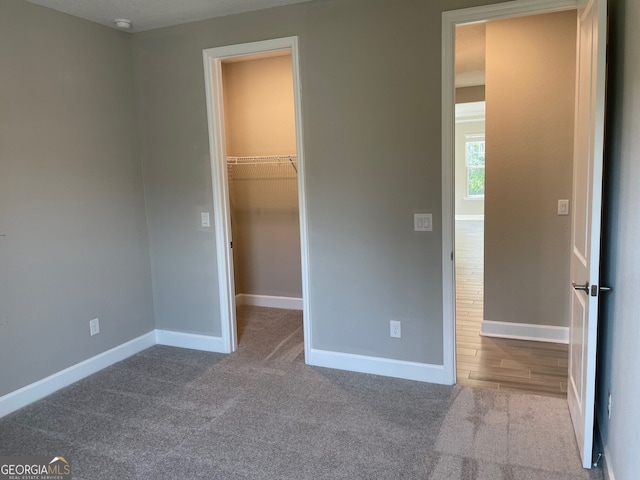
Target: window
x=474, y=161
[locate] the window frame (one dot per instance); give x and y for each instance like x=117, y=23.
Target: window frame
x=473, y=138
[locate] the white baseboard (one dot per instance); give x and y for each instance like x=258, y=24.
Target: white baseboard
x=422, y=372
x=525, y=331
x=322, y=358
x=476, y=218
x=289, y=303
x=190, y=340
x=24, y=396
x=606, y=467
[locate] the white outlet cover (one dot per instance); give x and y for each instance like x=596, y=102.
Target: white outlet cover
x=94, y=326
x=395, y=329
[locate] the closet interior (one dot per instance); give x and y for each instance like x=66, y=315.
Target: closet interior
x=262, y=173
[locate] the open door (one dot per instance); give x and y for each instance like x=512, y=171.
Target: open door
x=587, y=205
x=587, y=194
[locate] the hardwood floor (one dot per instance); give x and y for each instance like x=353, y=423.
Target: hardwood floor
x=502, y=364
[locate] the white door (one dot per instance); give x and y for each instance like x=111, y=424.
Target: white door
x=587, y=204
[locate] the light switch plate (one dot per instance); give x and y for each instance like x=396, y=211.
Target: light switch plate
x=563, y=207
x=422, y=222
x=204, y=216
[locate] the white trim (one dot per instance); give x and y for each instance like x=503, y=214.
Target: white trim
x=470, y=112
x=212, y=59
x=221, y=209
x=471, y=218
x=515, y=8
x=289, y=303
x=321, y=358
x=302, y=199
x=422, y=372
x=40, y=389
x=525, y=331
x=448, y=200
x=450, y=20
x=469, y=120
x=193, y=341
x=607, y=467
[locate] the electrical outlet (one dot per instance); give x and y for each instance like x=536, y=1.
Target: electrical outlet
x=395, y=329
x=94, y=326
x=609, y=406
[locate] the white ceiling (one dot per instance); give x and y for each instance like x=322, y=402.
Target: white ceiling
x=150, y=14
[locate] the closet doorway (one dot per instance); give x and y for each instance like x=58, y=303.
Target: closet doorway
x=255, y=131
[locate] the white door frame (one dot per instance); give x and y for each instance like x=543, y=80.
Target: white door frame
x=450, y=20
x=213, y=58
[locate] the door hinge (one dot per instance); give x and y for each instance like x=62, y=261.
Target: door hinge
x=230, y=244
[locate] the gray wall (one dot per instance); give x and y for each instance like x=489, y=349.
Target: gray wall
x=372, y=145
x=70, y=188
x=619, y=357
x=529, y=149
x=71, y=196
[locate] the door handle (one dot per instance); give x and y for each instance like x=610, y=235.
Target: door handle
x=594, y=290
x=584, y=288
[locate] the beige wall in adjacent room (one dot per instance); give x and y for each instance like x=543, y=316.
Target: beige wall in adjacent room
x=259, y=112
x=470, y=94
x=530, y=78
x=260, y=120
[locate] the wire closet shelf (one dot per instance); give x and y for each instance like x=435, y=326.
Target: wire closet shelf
x=263, y=184
x=285, y=160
